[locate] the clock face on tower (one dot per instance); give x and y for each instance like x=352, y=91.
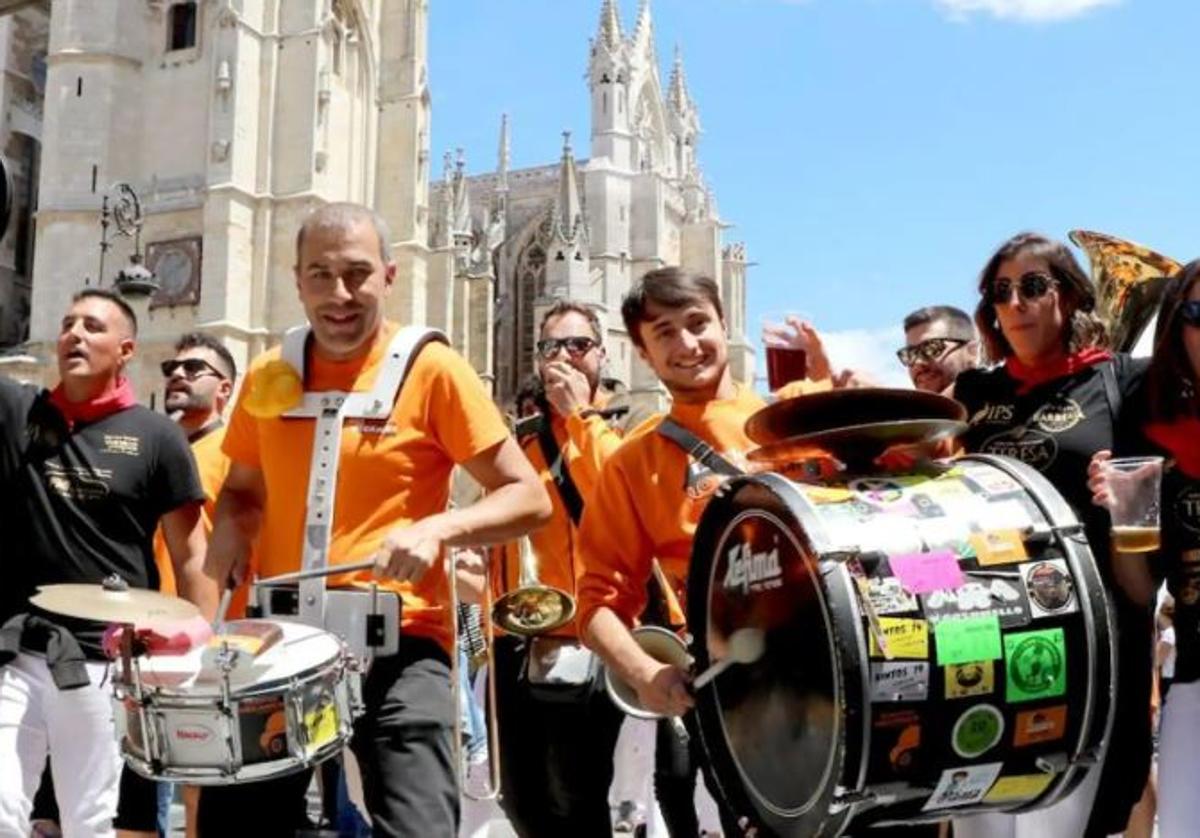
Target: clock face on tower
x=176, y=265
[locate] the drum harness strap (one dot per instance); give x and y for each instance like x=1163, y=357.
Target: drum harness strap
x=697, y=449
x=330, y=409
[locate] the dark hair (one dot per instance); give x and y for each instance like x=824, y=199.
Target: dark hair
x=114, y=298
x=562, y=307
x=959, y=321
x=203, y=340
x=1171, y=383
x=668, y=287
x=342, y=215
x=1076, y=291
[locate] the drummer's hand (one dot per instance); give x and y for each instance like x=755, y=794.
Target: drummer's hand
x=664, y=689
x=407, y=553
x=567, y=388
x=852, y=379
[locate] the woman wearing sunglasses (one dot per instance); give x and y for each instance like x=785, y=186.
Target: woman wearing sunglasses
x=1051, y=401
x=1164, y=419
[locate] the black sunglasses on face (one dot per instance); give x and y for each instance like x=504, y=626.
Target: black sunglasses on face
x=1031, y=286
x=576, y=347
x=192, y=368
x=1189, y=312
x=928, y=350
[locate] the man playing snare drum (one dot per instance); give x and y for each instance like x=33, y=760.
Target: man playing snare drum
x=391, y=498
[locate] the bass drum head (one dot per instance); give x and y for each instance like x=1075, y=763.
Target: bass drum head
x=771, y=729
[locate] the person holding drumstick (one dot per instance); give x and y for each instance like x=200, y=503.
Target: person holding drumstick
x=391, y=506
x=1164, y=419
x=1052, y=401
x=86, y=475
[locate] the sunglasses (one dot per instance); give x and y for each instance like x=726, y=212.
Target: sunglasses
x=1031, y=286
x=1189, y=312
x=192, y=368
x=548, y=347
x=930, y=349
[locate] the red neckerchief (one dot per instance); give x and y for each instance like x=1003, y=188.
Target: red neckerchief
x=1029, y=377
x=117, y=397
x=1181, y=439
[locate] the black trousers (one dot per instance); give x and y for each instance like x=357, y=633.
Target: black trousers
x=404, y=747
x=676, y=761
x=556, y=751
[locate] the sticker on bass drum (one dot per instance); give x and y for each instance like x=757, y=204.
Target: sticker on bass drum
x=1050, y=588
x=899, y=681
x=977, y=731
x=963, y=786
x=964, y=680
x=1018, y=787
x=1035, y=664
x=1046, y=724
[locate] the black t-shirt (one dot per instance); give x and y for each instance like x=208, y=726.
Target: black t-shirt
x=81, y=504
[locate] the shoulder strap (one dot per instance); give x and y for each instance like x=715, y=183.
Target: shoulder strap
x=1112, y=392
x=696, y=448
x=557, y=464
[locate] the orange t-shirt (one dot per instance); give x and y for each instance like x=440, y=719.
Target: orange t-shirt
x=390, y=473
x=212, y=465
x=642, y=510
x=585, y=445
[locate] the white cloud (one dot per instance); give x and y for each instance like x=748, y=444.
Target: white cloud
x=1038, y=11
x=870, y=351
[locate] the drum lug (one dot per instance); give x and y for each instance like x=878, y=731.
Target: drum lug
x=1091, y=756
x=846, y=798
x=1057, y=763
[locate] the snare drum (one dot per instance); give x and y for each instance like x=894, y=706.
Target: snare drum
x=213, y=717
x=935, y=645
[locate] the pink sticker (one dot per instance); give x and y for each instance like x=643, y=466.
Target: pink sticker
x=920, y=573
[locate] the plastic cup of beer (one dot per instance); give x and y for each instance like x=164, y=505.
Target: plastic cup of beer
x=787, y=360
x=1135, y=484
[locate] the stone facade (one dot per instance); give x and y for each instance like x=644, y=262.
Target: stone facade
x=232, y=119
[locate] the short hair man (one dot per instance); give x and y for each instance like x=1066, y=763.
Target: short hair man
x=940, y=342
x=650, y=495
x=557, y=742
x=86, y=475
x=391, y=506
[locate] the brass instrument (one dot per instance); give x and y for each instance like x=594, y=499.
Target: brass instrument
x=532, y=608
x=1129, y=282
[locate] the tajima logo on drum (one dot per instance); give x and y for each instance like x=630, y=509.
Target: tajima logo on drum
x=193, y=733
x=749, y=571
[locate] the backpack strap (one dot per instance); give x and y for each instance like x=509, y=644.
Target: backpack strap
x=568, y=492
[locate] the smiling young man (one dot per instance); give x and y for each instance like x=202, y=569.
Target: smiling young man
x=393, y=484
x=86, y=475
x=650, y=496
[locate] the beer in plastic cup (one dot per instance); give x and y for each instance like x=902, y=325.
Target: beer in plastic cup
x=1135, y=484
x=785, y=364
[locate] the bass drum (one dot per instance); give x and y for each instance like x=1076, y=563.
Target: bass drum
x=936, y=644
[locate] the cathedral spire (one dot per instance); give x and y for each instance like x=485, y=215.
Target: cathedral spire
x=677, y=92
x=643, y=29
x=609, y=33
x=462, y=199
x=570, y=209
x=503, y=155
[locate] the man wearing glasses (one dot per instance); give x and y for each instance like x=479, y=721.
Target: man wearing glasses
x=940, y=343
x=558, y=730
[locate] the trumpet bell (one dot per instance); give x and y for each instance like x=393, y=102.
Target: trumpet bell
x=533, y=609
x=659, y=643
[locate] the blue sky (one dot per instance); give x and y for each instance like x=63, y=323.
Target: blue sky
x=871, y=153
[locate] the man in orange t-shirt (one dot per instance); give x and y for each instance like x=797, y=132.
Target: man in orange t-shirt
x=557, y=739
x=391, y=506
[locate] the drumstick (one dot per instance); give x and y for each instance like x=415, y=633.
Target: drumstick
x=219, y=621
x=317, y=571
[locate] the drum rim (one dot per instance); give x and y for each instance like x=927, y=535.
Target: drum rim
x=748, y=790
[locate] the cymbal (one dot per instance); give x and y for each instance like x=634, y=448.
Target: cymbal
x=819, y=412
x=857, y=444
x=95, y=602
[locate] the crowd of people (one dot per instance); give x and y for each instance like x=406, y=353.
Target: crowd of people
x=92, y=484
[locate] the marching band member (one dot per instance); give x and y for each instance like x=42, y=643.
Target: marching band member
x=1164, y=419
x=86, y=475
x=1052, y=401
x=558, y=734
x=391, y=505
x=651, y=493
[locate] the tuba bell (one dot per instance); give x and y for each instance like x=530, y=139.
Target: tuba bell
x=532, y=608
x=1129, y=282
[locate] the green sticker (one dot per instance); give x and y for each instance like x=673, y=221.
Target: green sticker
x=1036, y=664
x=977, y=731
x=967, y=639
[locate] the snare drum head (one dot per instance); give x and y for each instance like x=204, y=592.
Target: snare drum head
x=773, y=723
